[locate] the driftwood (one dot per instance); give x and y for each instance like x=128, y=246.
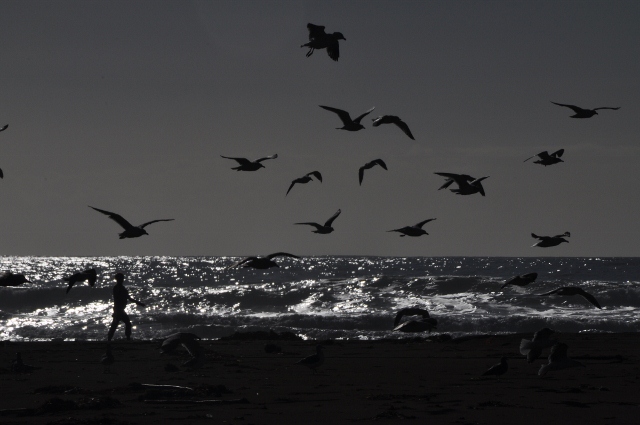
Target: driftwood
x=235, y=401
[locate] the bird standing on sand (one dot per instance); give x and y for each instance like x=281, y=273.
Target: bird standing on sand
x=326, y=228
x=533, y=348
x=414, y=231
x=558, y=360
x=574, y=290
x=247, y=165
x=315, y=360
x=392, y=119
x=130, y=231
x=348, y=123
x=318, y=39
x=523, y=280
x=498, y=369
x=584, y=113
x=368, y=165
x=467, y=185
x=89, y=275
x=427, y=323
x=305, y=179
x=547, y=158
x=549, y=241
x=11, y=279
x=261, y=262
x=107, y=359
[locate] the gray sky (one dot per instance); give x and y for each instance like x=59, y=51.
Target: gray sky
x=128, y=105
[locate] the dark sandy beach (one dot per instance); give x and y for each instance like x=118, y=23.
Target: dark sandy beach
x=360, y=382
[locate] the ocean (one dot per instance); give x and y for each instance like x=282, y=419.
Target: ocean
x=337, y=297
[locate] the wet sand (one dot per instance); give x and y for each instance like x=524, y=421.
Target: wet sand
x=359, y=382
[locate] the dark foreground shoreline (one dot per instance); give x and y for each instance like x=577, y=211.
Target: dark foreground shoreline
x=360, y=382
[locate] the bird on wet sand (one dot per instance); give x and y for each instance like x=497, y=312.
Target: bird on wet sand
x=547, y=158
x=498, y=369
x=89, y=275
x=323, y=228
x=12, y=279
x=130, y=231
x=533, y=348
x=305, y=179
x=426, y=323
x=574, y=290
x=392, y=119
x=582, y=112
x=247, y=165
x=107, y=359
x=368, y=165
x=467, y=185
x=558, y=360
x=414, y=231
x=318, y=39
x=523, y=280
x=261, y=262
x=549, y=241
x=315, y=360
x=348, y=123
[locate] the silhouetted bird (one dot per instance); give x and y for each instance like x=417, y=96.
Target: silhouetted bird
x=574, y=290
x=246, y=165
x=558, y=360
x=533, y=348
x=130, y=231
x=261, y=262
x=392, y=119
x=415, y=230
x=4, y=127
x=427, y=323
x=18, y=366
x=584, y=113
x=498, y=369
x=306, y=179
x=326, y=228
x=1, y=174
x=523, y=280
x=315, y=360
x=11, y=279
x=467, y=185
x=173, y=341
x=546, y=158
x=107, y=359
x=318, y=39
x=368, y=165
x=349, y=124
x=549, y=241
x=89, y=275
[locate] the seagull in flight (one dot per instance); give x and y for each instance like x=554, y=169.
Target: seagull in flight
x=348, y=123
x=558, y=360
x=547, y=158
x=523, y=280
x=306, y=179
x=548, y=241
x=318, y=39
x=11, y=279
x=415, y=230
x=427, y=323
x=574, y=290
x=261, y=262
x=326, y=228
x=467, y=185
x=584, y=113
x=368, y=165
x=130, y=231
x=392, y=119
x=4, y=127
x=246, y=165
x=89, y=275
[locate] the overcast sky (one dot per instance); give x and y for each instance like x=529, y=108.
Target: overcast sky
x=127, y=106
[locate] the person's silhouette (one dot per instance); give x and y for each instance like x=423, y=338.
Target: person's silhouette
x=120, y=299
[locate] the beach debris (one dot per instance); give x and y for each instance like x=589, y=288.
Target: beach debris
x=426, y=323
x=533, y=348
x=498, y=369
x=574, y=290
x=315, y=360
x=190, y=343
x=323, y=228
x=130, y=231
x=414, y=231
x=261, y=262
x=247, y=165
x=89, y=275
x=392, y=119
x=558, y=360
x=467, y=185
x=523, y=280
x=306, y=179
x=368, y=165
x=11, y=279
x=547, y=158
x=582, y=112
x=318, y=39
x=549, y=241
x=348, y=123
x=262, y=335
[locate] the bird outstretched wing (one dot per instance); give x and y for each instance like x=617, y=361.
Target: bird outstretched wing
x=333, y=217
x=142, y=226
x=280, y=254
x=357, y=120
x=422, y=223
x=115, y=217
x=344, y=115
x=274, y=156
x=241, y=161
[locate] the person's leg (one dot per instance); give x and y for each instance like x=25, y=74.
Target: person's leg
x=127, y=326
x=112, y=329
